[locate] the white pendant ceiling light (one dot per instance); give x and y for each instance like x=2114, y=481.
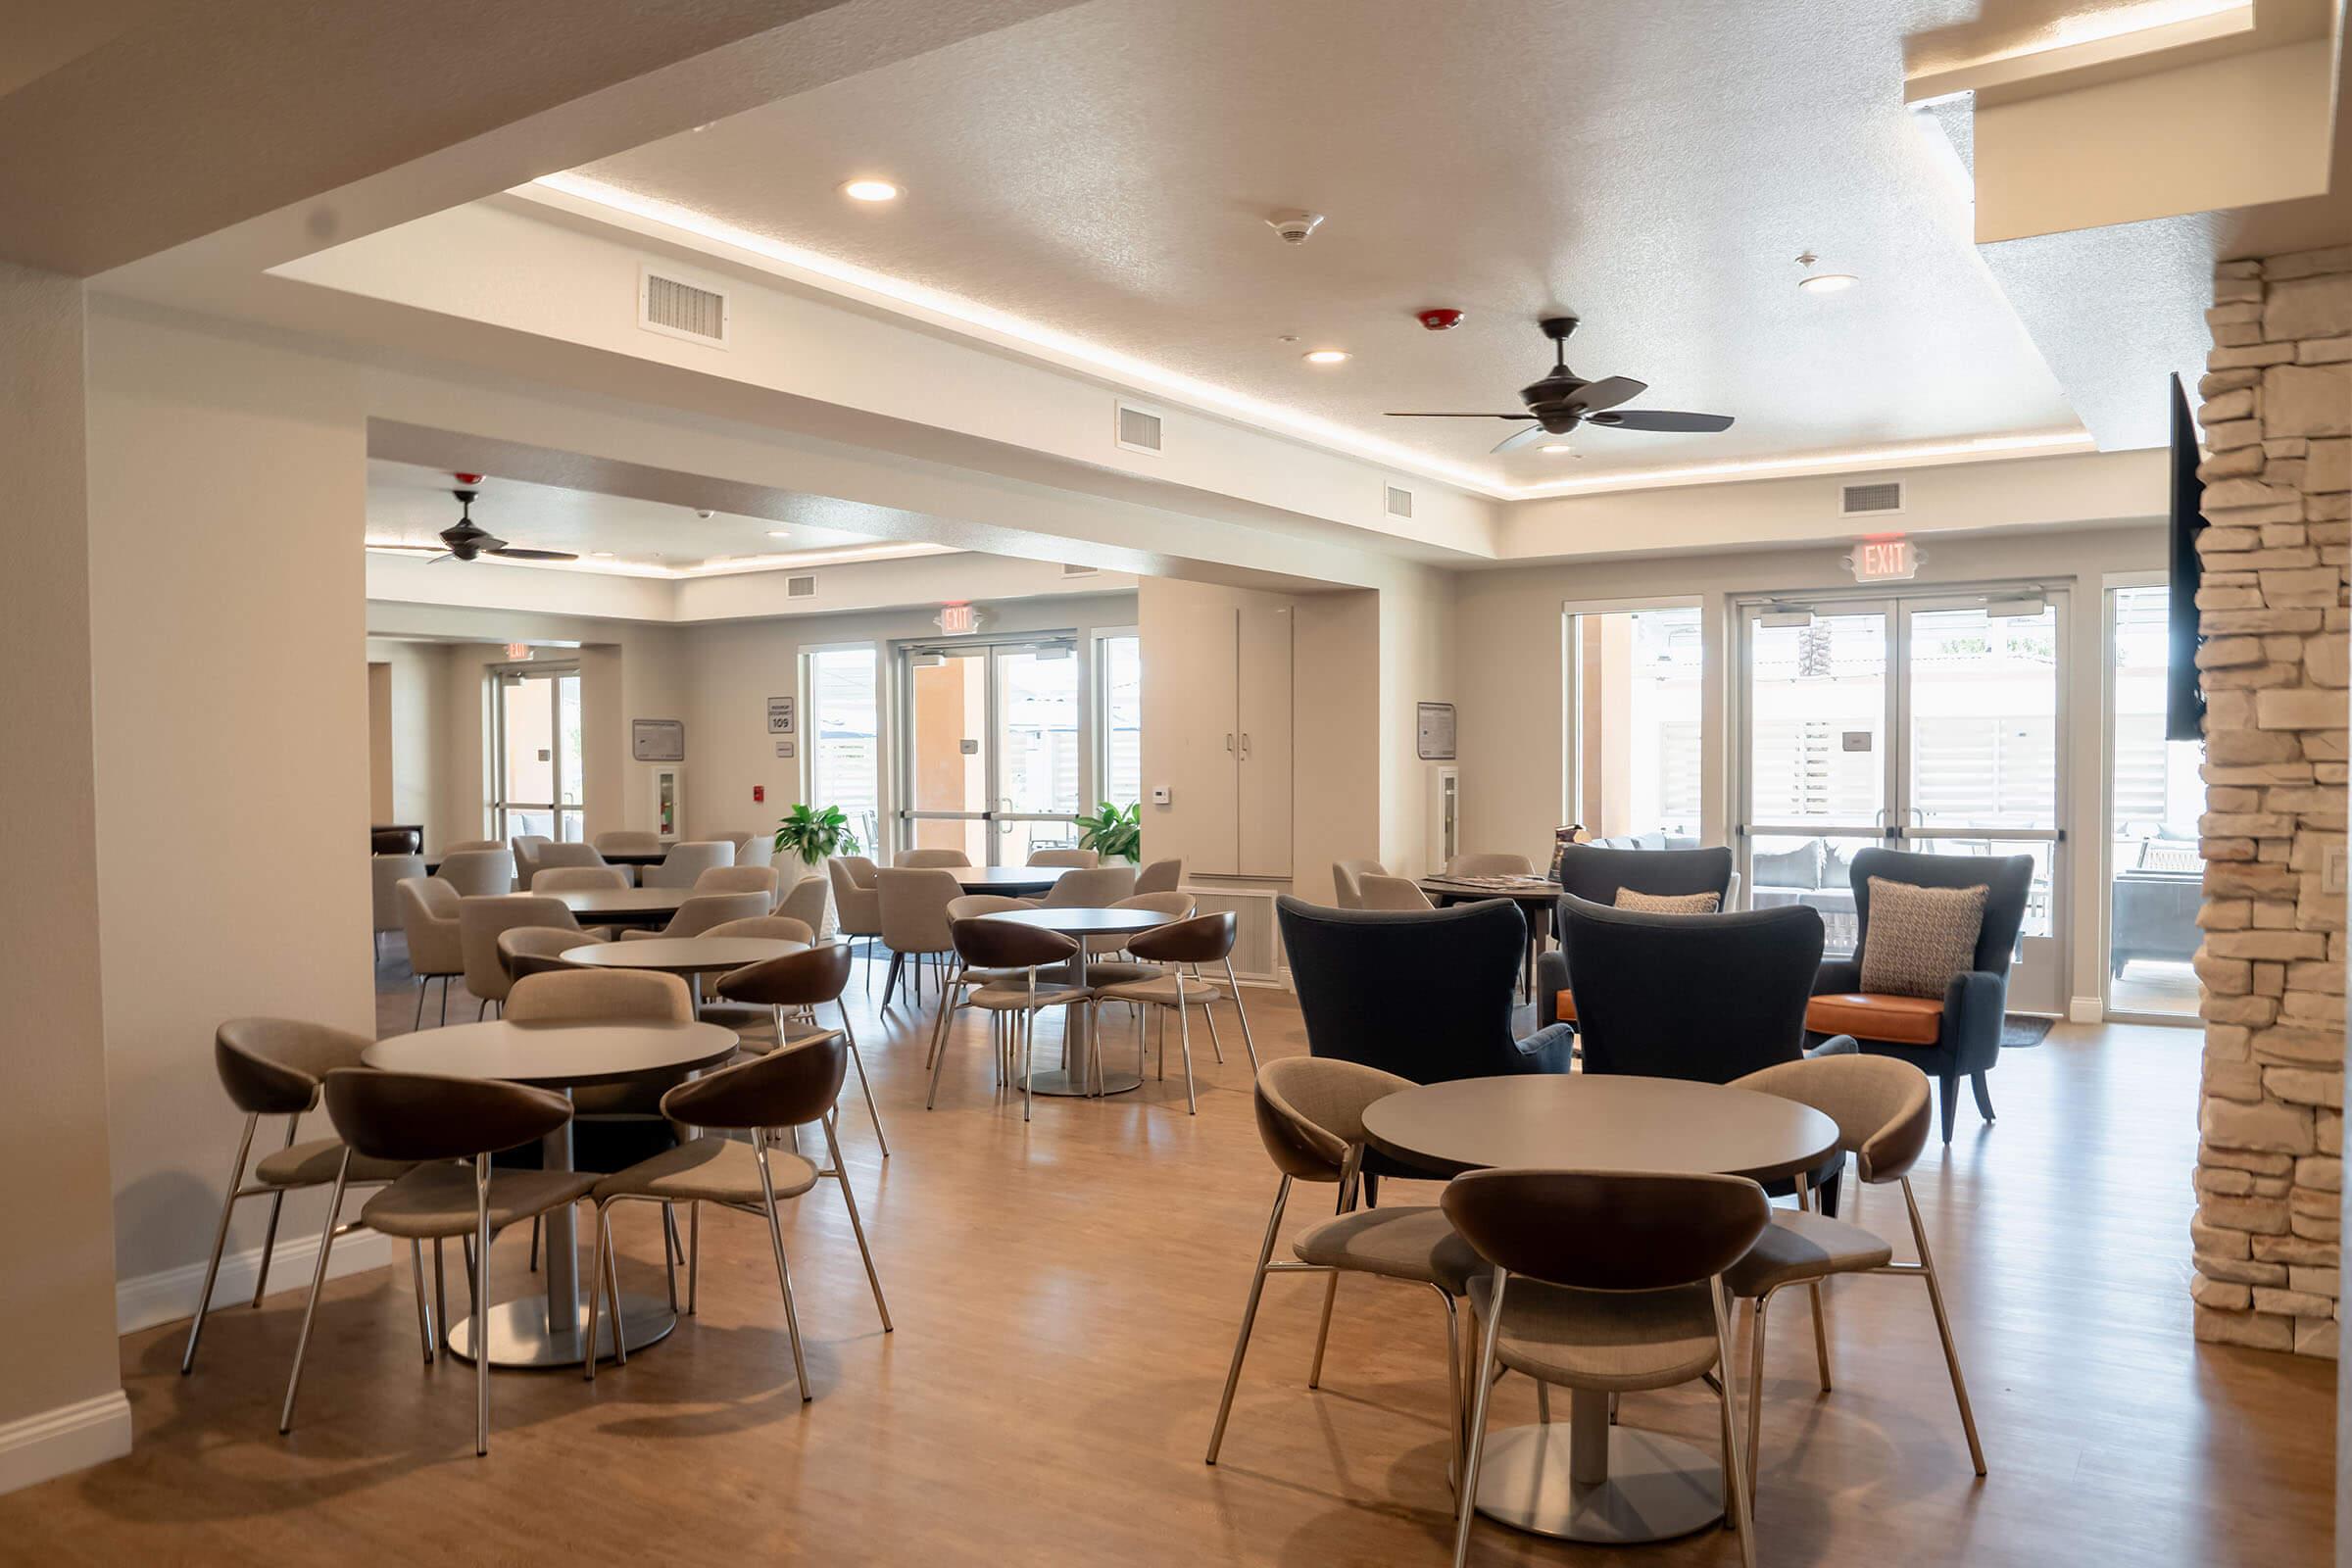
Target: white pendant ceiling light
x=1814, y=283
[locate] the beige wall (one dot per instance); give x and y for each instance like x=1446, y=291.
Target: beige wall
x=57, y=1354
x=230, y=744
x=379, y=741
x=1513, y=723
x=1416, y=665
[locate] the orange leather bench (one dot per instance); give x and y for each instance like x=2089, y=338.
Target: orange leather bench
x=1875, y=1015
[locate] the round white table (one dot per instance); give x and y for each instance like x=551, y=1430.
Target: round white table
x=1076, y=1078
x=549, y=1332
x=684, y=956
x=1587, y=1480
x=622, y=906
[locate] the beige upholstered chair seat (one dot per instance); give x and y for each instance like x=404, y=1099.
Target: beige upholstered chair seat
x=1416, y=1243
x=713, y=1170
x=1015, y=997
x=1618, y=1341
x=1798, y=1245
x=438, y=1199
x=1165, y=988
x=1119, y=972
x=314, y=1162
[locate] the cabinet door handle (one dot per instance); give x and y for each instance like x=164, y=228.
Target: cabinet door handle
x=1229, y=740
x=1245, y=746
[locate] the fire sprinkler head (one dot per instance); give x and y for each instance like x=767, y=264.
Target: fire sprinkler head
x=1441, y=320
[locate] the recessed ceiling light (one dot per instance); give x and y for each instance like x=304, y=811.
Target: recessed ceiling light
x=779, y=533
x=870, y=190
x=1555, y=446
x=601, y=555
x=1325, y=356
x=1826, y=282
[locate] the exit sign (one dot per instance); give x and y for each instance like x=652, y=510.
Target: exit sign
x=1884, y=561
x=956, y=620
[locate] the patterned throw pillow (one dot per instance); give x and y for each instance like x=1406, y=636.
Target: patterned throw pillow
x=1920, y=937
x=1669, y=902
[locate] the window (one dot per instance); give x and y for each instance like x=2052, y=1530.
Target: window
x=2154, y=794
x=537, y=784
x=1634, y=693
x=1119, y=717
x=844, y=737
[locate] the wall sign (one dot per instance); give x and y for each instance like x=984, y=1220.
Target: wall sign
x=784, y=750
x=1433, y=738
x=1884, y=561
x=958, y=619
x=657, y=740
x=779, y=715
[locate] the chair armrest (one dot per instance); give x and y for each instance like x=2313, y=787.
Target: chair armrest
x=1551, y=978
x=1835, y=1046
x=1837, y=974
x=1548, y=1049
x=1974, y=1003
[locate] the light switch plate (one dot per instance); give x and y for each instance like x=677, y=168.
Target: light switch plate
x=1161, y=795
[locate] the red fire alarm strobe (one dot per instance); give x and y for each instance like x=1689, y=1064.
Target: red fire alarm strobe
x=759, y=793
x=1440, y=321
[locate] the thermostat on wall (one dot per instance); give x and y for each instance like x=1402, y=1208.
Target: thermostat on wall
x=1160, y=795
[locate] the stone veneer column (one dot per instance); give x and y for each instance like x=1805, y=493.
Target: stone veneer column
x=2277, y=417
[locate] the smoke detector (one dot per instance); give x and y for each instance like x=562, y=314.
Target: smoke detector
x=1294, y=227
x=704, y=513
x=1443, y=321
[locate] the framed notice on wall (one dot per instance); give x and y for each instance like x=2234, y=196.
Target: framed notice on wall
x=779, y=715
x=1433, y=732
x=657, y=740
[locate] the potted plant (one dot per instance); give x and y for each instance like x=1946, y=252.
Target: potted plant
x=1114, y=833
x=815, y=833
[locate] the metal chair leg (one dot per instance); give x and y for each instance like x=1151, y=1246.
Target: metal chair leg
x=1028, y=1027
x=425, y=983
x=212, y=1269
x=445, y=999
x=440, y=1291
x=849, y=1201
x=1465, y=1506
x=424, y=1320
x=1208, y=1011
x=1454, y=1378
x=1741, y=1516
x=670, y=1253
x=694, y=1257
x=1234, y=986
x=482, y=1305
x=1241, y=1340
x=1944, y=1328
x=309, y=1312
x=620, y=1328
x=1331, y=1291
x=1820, y=1327
x=938, y=1060
x=775, y=1236
x=872, y=1111
x=1756, y=1386
x=1184, y=1036
x=534, y=1243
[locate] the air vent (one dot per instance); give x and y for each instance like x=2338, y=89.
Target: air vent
x=1400, y=501
x=804, y=587
x=1139, y=429
x=1871, y=500
x=1071, y=569
x=675, y=308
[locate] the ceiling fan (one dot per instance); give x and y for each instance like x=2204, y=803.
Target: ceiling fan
x=467, y=540
x=1562, y=400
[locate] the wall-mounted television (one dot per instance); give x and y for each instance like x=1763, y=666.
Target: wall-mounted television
x=2184, y=704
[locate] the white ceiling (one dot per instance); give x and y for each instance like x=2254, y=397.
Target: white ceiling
x=409, y=506
x=1105, y=172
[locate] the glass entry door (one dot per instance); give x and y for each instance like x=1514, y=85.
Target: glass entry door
x=1921, y=724
x=991, y=750
x=538, y=787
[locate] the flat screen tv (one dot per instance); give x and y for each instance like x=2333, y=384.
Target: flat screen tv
x=2184, y=704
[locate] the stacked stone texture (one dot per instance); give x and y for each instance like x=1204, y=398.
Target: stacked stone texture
x=2278, y=418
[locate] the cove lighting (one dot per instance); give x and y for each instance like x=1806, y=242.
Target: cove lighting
x=2034, y=444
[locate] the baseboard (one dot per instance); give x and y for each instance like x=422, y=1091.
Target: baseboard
x=151, y=1298
x=55, y=1442
x=2085, y=1009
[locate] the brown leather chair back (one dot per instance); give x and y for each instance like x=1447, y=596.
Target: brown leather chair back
x=1608, y=1230
x=1311, y=1108
x=796, y=980
x=788, y=1088
x=425, y=1115
x=273, y=1066
x=993, y=944
x=1203, y=939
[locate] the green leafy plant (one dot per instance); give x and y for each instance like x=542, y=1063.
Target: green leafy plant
x=814, y=832
x=1114, y=833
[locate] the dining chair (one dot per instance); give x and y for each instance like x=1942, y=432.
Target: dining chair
x=273, y=1068
x=1071, y=857
x=1375, y=890
x=470, y=847
x=699, y=911
x=568, y=852
x=768, y=927
x=526, y=848
x=579, y=878
x=1881, y=1107
x=1311, y=1119
x=784, y=1090
x=1013, y=1007
x=914, y=920
x=1177, y=946
x=479, y=922
x=739, y=879
x=917, y=860
x=1491, y=864
x=1346, y=880
x=856, y=902
x=1160, y=876
x=961, y=975
x=528, y=950
x=685, y=863
x=479, y=873
x=804, y=901
x=1110, y=969
x=1093, y=887
x=431, y=1122
x=628, y=841
x=1605, y=1282
x=745, y=1018
x=428, y=913
x=386, y=873
x=751, y=848
x=801, y=982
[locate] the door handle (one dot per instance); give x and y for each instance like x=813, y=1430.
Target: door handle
x=1245, y=746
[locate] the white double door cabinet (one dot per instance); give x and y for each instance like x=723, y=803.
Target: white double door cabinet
x=1231, y=758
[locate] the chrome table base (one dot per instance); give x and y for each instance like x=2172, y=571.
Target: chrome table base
x=1655, y=1487
x=519, y=1336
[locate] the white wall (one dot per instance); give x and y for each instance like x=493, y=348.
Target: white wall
x=416, y=674
x=1514, y=731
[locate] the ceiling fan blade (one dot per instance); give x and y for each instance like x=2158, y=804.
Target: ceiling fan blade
x=1519, y=415
x=1518, y=440
x=447, y=554
x=516, y=553
x=1661, y=419
x=1606, y=393
x=422, y=550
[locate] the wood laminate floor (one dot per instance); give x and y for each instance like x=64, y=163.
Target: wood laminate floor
x=1066, y=1294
